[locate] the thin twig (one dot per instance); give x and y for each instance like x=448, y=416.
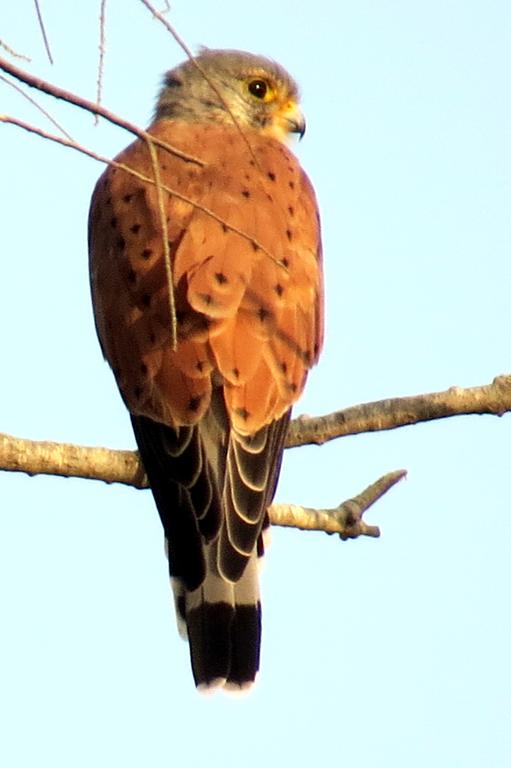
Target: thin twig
x=80, y=148
x=12, y=52
x=165, y=242
x=37, y=106
x=345, y=519
x=89, y=106
x=43, y=31
x=102, y=51
x=188, y=51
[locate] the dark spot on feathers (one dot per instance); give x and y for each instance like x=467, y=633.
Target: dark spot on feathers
x=206, y=298
x=109, y=200
x=225, y=228
x=283, y=367
x=254, y=245
x=138, y=392
x=221, y=278
x=279, y=289
x=113, y=222
x=172, y=81
x=121, y=243
x=146, y=253
x=252, y=163
x=245, y=193
x=144, y=369
x=289, y=234
x=236, y=373
x=127, y=198
x=194, y=403
x=269, y=197
x=285, y=262
x=135, y=229
x=263, y=314
x=292, y=387
x=152, y=337
x=291, y=185
x=291, y=210
x=243, y=413
x=271, y=176
x=200, y=366
x=132, y=277
x=146, y=300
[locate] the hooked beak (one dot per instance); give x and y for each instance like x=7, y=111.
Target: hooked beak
x=293, y=119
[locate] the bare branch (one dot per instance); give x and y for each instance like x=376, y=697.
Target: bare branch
x=43, y=31
x=12, y=52
x=179, y=40
x=90, y=106
x=102, y=51
x=494, y=399
x=165, y=243
x=160, y=16
x=346, y=519
x=150, y=140
x=33, y=457
x=37, y=106
x=67, y=460
x=42, y=457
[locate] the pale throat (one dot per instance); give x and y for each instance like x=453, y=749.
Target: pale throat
x=278, y=129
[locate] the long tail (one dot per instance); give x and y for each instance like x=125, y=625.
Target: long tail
x=222, y=621
x=212, y=488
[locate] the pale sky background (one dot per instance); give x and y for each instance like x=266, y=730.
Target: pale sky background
x=390, y=653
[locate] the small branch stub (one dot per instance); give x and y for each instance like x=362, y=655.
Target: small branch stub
x=346, y=519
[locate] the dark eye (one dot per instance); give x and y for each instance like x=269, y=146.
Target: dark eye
x=258, y=88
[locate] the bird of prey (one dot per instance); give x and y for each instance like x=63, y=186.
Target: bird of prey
x=206, y=278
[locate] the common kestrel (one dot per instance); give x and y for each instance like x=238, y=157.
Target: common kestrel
x=210, y=401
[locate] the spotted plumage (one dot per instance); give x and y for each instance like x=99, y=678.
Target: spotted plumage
x=210, y=413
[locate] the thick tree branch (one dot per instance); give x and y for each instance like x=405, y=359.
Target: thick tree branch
x=34, y=457
x=494, y=398
x=42, y=457
x=111, y=466
x=66, y=460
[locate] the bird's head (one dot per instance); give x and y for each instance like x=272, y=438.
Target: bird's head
x=218, y=85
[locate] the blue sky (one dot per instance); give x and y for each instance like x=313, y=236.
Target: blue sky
x=392, y=652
